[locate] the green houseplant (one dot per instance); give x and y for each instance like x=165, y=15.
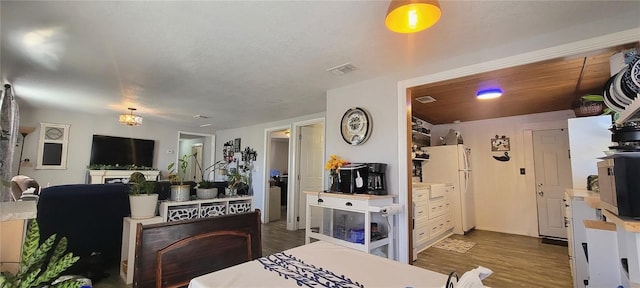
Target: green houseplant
x=142, y=200
x=237, y=181
x=179, y=191
x=206, y=189
x=41, y=267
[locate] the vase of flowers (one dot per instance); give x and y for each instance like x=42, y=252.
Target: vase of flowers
x=332, y=166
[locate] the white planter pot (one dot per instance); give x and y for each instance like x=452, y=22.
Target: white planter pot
x=180, y=193
x=207, y=193
x=143, y=206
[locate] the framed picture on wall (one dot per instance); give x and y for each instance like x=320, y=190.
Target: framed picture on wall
x=53, y=146
x=500, y=144
x=236, y=145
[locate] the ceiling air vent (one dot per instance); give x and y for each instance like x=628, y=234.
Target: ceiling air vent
x=342, y=69
x=426, y=99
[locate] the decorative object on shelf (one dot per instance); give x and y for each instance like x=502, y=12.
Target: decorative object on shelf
x=332, y=166
x=503, y=158
x=590, y=105
x=40, y=268
x=500, y=143
x=356, y=126
x=179, y=191
x=452, y=138
x=141, y=197
x=130, y=119
x=412, y=16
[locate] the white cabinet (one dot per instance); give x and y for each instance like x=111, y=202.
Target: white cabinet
x=351, y=220
x=432, y=215
x=128, y=250
x=182, y=210
x=578, y=210
x=628, y=241
x=604, y=267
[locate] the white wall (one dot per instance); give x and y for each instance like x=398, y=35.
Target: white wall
x=503, y=200
x=254, y=136
x=279, y=157
x=83, y=127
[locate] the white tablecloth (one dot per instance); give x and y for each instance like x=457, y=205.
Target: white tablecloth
x=321, y=262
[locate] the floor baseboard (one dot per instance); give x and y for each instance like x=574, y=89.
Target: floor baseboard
x=557, y=242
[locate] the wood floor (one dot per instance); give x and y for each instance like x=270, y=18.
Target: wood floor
x=516, y=261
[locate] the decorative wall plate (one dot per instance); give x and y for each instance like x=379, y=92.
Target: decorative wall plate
x=356, y=126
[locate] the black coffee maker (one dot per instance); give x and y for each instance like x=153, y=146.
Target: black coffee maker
x=376, y=178
x=353, y=178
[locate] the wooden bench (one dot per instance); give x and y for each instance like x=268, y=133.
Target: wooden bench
x=170, y=254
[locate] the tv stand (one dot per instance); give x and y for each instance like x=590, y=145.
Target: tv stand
x=116, y=176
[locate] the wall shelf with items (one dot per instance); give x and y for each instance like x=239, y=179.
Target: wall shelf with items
x=175, y=210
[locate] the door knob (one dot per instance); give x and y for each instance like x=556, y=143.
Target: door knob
x=541, y=193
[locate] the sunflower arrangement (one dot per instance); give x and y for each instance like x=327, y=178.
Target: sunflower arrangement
x=334, y=163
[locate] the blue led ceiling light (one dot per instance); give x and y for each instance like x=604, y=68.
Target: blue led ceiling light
x=489, y=93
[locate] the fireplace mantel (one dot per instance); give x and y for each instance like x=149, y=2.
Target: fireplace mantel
x=119, y=176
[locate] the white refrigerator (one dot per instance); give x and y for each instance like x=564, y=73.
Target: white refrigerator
x=451, y=164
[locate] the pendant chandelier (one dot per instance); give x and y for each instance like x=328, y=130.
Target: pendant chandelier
x=130, y=119
x=410, y=16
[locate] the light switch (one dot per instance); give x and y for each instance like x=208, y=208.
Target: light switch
x=522, y=171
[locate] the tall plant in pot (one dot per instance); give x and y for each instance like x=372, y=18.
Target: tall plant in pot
x=179, y=190
x=142, y=200
x=206, y=188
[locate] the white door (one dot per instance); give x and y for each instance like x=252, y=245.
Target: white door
x=311, y=143
x=553, y=176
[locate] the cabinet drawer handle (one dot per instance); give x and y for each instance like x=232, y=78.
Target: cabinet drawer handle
x=421, y=234
x=348, y=204
x=320, y=201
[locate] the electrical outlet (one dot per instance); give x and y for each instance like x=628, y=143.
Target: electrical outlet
x=522, y=171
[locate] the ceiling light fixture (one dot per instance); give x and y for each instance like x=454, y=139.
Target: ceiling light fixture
x=489, y=93
x=130, y=119
x=410, y=16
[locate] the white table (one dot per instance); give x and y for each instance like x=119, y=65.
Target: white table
x=356, y=266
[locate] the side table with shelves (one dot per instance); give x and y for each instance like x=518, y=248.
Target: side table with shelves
x=128, y=251
x=174, y=210
x=351, y=220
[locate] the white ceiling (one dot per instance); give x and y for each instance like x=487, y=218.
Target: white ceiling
x=248, y=62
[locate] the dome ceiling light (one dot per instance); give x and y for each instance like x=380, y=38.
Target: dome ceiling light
x=410, y=16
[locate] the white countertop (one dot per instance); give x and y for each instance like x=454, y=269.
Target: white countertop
x=19, y=210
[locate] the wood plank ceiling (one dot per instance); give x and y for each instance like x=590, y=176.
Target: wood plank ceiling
x=546, y=86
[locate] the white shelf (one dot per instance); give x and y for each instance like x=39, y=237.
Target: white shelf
x=631, y=112
x=420, y=133
x=420, y=159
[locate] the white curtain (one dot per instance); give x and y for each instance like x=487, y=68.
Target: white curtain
x=9, y=119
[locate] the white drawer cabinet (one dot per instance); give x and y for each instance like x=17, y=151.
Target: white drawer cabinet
x=432, y=213
x=351, y=220
x=174, y=210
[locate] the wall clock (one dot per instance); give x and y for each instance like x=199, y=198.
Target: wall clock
x=355, y=126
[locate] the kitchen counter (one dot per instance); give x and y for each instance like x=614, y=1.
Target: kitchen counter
x=591, y=198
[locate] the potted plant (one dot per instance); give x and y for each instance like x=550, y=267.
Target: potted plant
x=179, y=191
x=237, y=182
x=40, y=266
x=206, y=189
x=142, y=200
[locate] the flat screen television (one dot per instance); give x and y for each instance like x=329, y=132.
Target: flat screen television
x=111, y=150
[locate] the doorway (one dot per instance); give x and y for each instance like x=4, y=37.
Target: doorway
x=552, y=175
x=204, y=144
x=277, y=173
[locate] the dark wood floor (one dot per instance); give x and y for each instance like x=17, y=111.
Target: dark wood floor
x=516, y=261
